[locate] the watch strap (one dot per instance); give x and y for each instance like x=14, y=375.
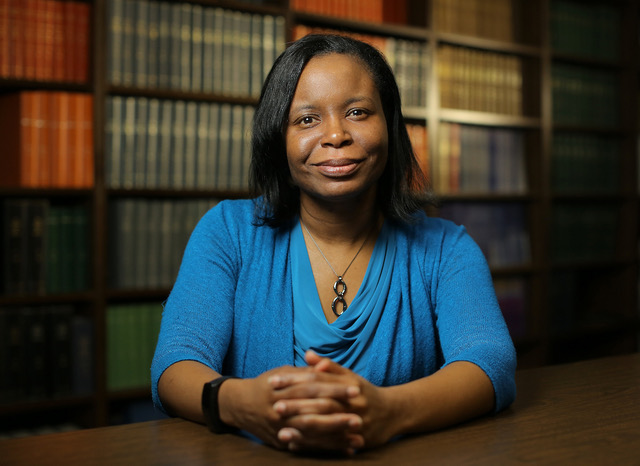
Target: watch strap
x=211, y=408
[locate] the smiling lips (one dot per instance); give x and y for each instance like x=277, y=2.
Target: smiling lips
x=336, y=168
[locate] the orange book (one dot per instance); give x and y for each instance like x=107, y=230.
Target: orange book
x=60, y=148
x=45, y=139
x=81, y=141
x=39, y=39
x=46, y=39
x=5, y=39
x=59, y=49
x=30, y=38
x=16, y=20
x=87, y=152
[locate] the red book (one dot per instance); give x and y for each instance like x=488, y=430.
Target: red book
x=82, y=42
x=47, y=39
x=30, y=38
x=5, y=39
x=394, y=11
x=69, y=40
x=15, y=129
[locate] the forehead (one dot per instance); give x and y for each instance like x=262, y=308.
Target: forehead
x=338, y=70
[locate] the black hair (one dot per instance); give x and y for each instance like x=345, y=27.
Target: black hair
x=402, y=188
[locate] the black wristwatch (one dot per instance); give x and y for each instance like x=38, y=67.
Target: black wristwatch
x=210, y=406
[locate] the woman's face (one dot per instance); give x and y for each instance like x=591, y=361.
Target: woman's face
x=336, y=134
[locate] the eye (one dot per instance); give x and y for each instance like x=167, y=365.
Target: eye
x=358, y=113
x=307, y=120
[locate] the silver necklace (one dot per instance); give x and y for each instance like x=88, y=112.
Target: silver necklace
x=340, y=281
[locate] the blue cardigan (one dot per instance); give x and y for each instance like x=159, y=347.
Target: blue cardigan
x=231, y=307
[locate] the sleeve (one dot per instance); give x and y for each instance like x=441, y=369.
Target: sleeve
x=196, y=322
x=469, y=321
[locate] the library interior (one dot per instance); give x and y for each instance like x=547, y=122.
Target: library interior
x=123, y=121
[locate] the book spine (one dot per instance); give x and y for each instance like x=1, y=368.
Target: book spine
x=203, y=151
x=59, y=350
x=197, y=47
x=190, y=145
x=140, y=153
x=82, y=355
x=140, y=44
x=5, y=38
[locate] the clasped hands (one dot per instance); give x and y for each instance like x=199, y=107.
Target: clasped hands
x=322, y=407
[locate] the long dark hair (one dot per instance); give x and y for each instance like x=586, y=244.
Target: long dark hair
x=402, y=188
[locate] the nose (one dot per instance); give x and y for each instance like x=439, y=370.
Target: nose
x=335, y=134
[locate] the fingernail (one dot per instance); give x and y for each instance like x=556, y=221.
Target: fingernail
x=279, y=407
x=353, y=391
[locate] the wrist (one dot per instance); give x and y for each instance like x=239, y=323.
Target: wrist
x=214, y=416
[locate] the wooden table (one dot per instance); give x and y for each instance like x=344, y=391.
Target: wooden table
x=581, y=413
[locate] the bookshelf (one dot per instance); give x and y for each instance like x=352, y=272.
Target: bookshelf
x=488, y=86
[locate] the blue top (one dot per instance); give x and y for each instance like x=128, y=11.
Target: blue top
x=232, y=305
x=346, y=340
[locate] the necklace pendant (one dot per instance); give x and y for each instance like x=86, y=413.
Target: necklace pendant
x=339, y=296
x=337, y=283
x=334, y=303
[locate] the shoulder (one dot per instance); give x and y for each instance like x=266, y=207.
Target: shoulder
x=237, y=220
x=423, y=230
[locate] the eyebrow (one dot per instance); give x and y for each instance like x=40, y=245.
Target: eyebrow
x=348, y=102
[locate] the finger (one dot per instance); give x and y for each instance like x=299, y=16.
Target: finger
x=287, y=408
x=320, y=364
x=282, y=380
x=336, y=390
x=295, y=440
x=325, y=424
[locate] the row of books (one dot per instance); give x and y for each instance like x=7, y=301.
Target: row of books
x=481, y=81
x=585, y=29
x=583, y=233
x=489, y=19
x=153, y=143
x=132, y=334
x=479, y=160
x=47, y=352
x=191, y=48
x=420, y=143
x=376, y=11
x=585, y=97
x=585, y=163
x=409, y=60
x=512, y=294
x=500, y=229
x=44, y=40
x=47, y=139
x=147, y=239
x=45, y=248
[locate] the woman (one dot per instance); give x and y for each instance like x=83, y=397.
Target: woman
x=339, y=314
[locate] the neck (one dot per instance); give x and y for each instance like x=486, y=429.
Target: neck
x=345, y=222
